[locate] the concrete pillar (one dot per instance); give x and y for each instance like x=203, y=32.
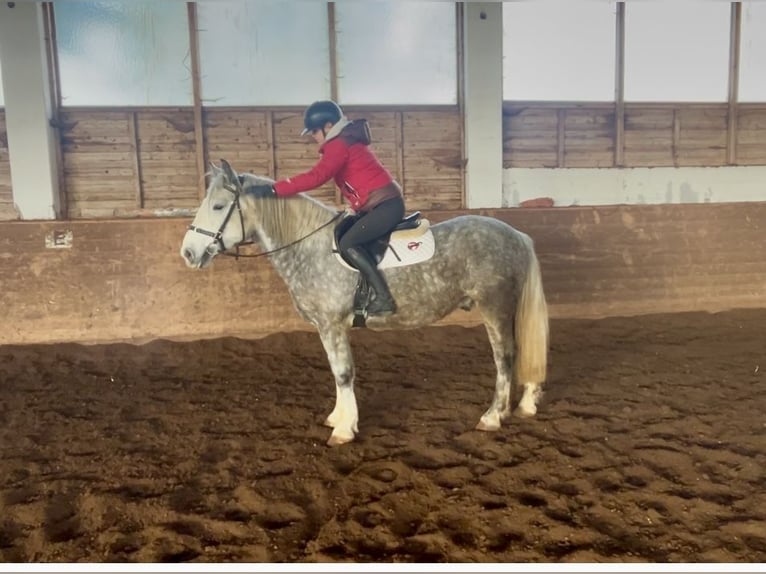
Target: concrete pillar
x=31, y=140
x=483, y=74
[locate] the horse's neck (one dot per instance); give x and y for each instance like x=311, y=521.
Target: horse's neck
x=294, y=221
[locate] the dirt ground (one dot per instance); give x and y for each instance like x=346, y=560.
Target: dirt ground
x=649, y=446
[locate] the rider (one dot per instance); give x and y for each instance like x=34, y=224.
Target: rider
x=365, y=183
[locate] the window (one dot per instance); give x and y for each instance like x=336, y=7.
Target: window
x=752, y=79
x=123, y=53
x=263, y=53
x=396, y=52
x=677, y=51
x=559, y=51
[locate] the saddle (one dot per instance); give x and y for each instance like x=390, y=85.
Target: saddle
x=377, y=249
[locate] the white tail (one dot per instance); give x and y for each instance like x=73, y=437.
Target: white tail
x=531, y=326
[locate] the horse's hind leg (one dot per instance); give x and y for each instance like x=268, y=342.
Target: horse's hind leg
x=344, y=417
x=528, y=403
x=502, y=351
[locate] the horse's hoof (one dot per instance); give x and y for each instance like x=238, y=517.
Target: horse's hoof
x=489, y=421
x=336, y=440
x=523, y=413
x=482, y=426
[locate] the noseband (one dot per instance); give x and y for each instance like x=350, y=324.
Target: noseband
x=218, y=235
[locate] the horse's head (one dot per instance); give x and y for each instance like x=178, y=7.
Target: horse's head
x=219, y=224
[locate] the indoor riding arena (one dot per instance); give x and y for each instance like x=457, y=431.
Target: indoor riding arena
x=152, y=412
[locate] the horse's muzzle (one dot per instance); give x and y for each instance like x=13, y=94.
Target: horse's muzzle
x=189, y=257
x=194, y=261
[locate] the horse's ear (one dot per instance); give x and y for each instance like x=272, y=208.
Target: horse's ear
x=228, y=170
x=215, y=169
x=231, y=175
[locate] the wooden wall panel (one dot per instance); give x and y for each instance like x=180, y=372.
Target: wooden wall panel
x=99, y=167
x=702, y=136
x=589, y=137
x=433, y=164
x=751, y=135
x=119, y=163
x=539, y=134
x=530, y=136
x=242, y=137
x=167, y=161
x=551, y=135
x=124, y=280
x=7, y=209
x=648, y=137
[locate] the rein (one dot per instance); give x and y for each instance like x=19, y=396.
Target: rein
x=238, y=254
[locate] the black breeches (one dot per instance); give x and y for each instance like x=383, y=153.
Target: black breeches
x=374, y=224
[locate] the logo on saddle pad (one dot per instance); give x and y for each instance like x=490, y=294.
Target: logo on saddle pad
x=404, y=247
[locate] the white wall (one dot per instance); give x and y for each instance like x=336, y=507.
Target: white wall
x=31, y=140
x=643, y=185
x=483, y=103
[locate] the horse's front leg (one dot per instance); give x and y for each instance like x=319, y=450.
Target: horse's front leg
x=344, y=417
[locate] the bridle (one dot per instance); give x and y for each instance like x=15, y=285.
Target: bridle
x=218, y=235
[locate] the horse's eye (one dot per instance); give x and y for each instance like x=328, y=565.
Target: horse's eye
x=218, y=207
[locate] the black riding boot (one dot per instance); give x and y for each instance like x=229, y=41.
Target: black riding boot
x=383, y=303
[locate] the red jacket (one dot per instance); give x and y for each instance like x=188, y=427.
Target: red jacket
x=347, y=159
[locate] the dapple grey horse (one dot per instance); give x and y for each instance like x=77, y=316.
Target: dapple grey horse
x=479, y=261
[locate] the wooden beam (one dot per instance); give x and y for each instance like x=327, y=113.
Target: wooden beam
x=399, y=135
x=676, y=134
x=332, y=42
x=459, y=22
x=332, y=36
x=734, y=54
x=199, y=135
x=52, y=52
x=619, y=87
x=271, y=135
x=49, y=24
x=133, y=131
x=560, y=137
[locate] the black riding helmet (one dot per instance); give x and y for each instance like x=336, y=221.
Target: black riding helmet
x=318, y=114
